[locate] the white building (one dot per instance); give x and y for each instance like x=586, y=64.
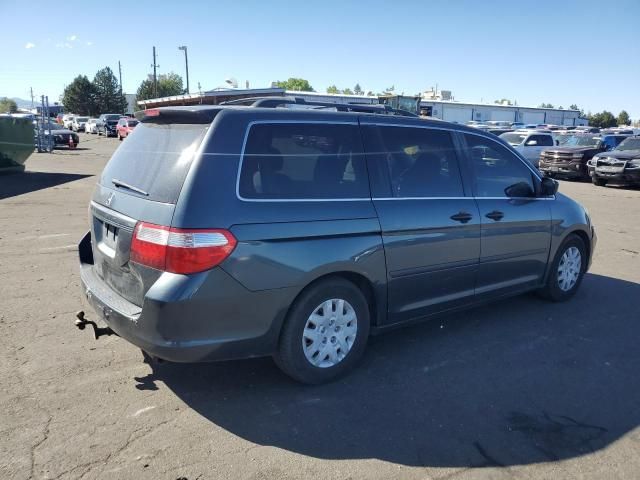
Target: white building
x=460, y=112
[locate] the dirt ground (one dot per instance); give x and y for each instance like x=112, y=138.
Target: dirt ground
x=522, y=388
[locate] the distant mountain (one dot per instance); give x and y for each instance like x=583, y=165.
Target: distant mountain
x=21, y=102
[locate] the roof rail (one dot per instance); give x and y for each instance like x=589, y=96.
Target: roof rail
x=275, y=102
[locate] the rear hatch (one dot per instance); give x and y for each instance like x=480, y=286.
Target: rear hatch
x=141, y=182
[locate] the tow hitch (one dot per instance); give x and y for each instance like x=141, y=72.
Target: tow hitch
x=82, y=322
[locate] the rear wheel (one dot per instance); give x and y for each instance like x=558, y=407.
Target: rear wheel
x=325, y=332
x=598, y=181
x=566, y=271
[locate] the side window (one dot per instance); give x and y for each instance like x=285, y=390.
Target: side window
x=545, y=140
x=421, y=162
x=303, y=161
x=498, y=172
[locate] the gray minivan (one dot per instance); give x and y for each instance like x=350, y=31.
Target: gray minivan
x=222, y=232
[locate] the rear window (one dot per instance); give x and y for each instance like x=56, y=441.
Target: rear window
x=303, y=161
x=155, y=159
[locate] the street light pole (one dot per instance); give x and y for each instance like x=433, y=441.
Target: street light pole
x=186, y=63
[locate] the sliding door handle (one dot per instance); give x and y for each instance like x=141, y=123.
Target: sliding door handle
x=495, y=215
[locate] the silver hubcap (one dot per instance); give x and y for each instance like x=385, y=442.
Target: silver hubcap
x=329, y=333
x=569, y=269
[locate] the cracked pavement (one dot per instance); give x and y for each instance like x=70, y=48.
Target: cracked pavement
x=518, y=389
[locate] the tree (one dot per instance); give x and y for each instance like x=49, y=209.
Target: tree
x=623, y=118
x=169, y=85
x=573, y=106
x=370, y=94
x=503, y=101
x=545, y=105
x=333, y=89
x=107, y=92
x=80, y=97
x=357, y=89
x=8, y=106
x=297, y=84
x=604, y=119
x=347, y=91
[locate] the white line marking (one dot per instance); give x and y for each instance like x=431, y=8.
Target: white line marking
x=142, y=410
x=58, y=248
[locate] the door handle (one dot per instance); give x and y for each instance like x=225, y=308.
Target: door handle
x=462, y=217
x=495, y=215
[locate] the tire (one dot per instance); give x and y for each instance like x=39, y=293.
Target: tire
x=598, y=181
x=557, y=288
x=327, y=352
x=119, y=137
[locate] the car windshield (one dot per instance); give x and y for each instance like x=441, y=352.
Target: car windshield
x=112, y=117
x=583, y=141
x=82, y=119
x=629, y=144
x=513, y=138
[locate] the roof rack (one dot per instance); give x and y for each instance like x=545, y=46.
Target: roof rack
x=275, y=102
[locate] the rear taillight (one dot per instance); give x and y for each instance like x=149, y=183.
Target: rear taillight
x=180, y=250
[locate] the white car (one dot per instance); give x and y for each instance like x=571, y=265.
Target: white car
x=91, y=126
x=67, y=121
x=78, y=123
x=529, y=143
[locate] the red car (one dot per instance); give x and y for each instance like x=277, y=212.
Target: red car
x=125, y=126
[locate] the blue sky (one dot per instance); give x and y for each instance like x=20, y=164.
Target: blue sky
x=562, y=52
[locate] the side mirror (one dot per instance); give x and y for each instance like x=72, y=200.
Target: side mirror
x=519, y=190
x=531, y=143
x=548, y=187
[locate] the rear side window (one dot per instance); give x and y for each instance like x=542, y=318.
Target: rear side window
x=303, y=161
x=421, y=162
x=155, y=159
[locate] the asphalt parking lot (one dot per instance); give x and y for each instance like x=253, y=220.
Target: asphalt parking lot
x=522, y=388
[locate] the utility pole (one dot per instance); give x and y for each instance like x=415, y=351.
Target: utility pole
x=186, y=63
x=120, y=78
x=155, y=76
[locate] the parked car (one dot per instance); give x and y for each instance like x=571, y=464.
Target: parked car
x=125, y=126
x=228, y=232
x=620, y=165
x=78, y=123
x=60, y=135
x=91, y=126
x=587, y=129
x=517, y=125
x=106, y=124
x=67, y=121
x=569, y=160
x=529, y=143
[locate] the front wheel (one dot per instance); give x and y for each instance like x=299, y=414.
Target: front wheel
x=566, y=271
x=598, y=181
x=325, y=332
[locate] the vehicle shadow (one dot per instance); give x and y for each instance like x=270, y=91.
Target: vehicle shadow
x=518, y=382
x=25, y=182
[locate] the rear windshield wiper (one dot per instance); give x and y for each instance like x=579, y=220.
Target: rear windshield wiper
x=121, y=184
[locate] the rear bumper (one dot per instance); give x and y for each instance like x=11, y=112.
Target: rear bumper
x=190, y=318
